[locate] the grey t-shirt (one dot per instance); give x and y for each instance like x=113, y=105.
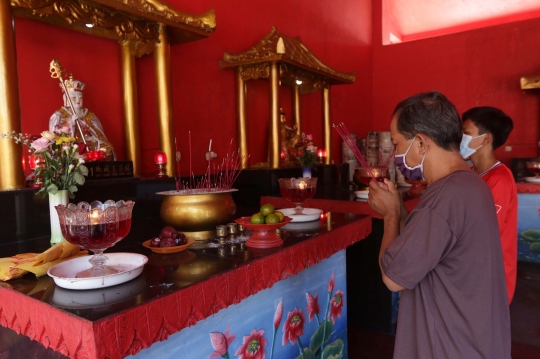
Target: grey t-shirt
x=449, y=259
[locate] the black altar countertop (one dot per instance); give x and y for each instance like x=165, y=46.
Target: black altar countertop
x=181, y=276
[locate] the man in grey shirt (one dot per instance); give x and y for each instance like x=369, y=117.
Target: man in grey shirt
x=447, y=260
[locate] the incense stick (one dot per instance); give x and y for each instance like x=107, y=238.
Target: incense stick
x=349, y=141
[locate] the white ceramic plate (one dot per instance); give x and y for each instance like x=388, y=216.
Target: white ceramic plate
x=404, y=184
x=130, y=265
x=532, y=179
x=310, y=214
x=76, y=299
x=302, y=226
x=362, y=194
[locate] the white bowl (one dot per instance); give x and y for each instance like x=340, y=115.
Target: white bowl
x=362, y=194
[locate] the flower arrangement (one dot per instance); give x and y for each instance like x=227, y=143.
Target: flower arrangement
x=306, y=152
x=59, y=164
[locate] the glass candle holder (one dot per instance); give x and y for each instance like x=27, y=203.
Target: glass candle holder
x=96, y=226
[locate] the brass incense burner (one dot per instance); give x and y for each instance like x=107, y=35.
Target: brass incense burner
x=197, y=214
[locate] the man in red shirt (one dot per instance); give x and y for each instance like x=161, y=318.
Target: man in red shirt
x=486, y=129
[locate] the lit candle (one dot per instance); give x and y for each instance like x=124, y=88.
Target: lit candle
x=94, y=216
x=96, y=230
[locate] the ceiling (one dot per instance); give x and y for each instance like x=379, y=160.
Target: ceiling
x=414, y=19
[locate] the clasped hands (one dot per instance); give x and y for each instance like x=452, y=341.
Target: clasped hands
x=384, y=199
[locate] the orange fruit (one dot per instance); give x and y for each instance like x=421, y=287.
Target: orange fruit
x=271, y=219
x=257, y=218
x=280, y=215
x=267, y=209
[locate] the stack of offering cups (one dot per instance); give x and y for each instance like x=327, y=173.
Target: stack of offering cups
x=386, y=153
x=372, y=149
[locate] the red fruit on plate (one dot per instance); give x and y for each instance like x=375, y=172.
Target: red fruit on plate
x=155, y=242
x=181, y=239
x=167, y=242
x=167, y=232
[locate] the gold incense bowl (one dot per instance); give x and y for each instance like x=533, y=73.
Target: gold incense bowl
x=197, y=213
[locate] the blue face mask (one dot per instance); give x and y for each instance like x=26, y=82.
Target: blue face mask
x=464, y=150
x=415, y=173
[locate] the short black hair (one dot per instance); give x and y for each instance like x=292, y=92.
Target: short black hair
x=492, y=120
x=431, y=114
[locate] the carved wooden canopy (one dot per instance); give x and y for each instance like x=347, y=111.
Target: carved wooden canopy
x=297, y=62
x=121, y=20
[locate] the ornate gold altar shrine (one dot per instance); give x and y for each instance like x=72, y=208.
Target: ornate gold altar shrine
x=139, y=26
x=286, y=60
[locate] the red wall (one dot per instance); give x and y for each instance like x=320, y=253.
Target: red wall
x=203, y=94
x=474, y=68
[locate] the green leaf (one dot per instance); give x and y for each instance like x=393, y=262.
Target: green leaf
x=73, y=189
x=531, y=235
x=535, y=247
x=79, y=178
x=333, y=350
x=306, y=354
x=52, y=189
x=322, y=335
x=84, y=170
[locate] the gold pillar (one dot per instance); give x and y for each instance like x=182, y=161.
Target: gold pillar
x=241, y=122
x=164, y=101
x=11, y=172
x=274, y=114
x=129, y=96
x=296, y=104
x=327, y=129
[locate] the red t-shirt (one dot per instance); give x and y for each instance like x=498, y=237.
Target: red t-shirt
x=503, y=187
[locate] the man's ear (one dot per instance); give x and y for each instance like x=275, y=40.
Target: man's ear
x=488, y=138
x=423, y=143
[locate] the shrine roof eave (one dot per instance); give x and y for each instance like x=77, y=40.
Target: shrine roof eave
x=181, y=27
x=335, y=79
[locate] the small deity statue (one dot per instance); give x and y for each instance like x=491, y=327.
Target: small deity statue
x=288, y=139
x=85, y=127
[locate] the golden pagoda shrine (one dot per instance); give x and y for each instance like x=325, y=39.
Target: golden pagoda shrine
x=286, y=60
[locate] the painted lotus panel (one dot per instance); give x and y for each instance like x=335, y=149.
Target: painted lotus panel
x=302, y=316
x=529, y=227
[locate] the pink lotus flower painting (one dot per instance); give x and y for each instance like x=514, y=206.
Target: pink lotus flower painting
x=252, y=346
x=336, y=304
x=311, y=339
x=294, y=326
x=221, y=343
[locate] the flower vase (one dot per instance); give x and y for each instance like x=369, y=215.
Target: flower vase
x=306, y=172
x=61, y=197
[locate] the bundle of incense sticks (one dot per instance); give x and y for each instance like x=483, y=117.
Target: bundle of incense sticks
x=351, y=143
x=216, y=178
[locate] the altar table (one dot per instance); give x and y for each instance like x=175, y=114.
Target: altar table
x=174, y=292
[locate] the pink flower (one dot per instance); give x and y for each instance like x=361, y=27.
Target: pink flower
x=313, y=305
x=336, y=303
x=252, y=346
x=221, y=343
x=331, y=283
x=40, y=145
x=309, y=137
x=278, y=314
x=294, y=326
